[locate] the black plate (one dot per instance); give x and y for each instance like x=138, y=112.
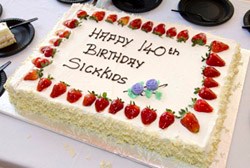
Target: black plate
x=3, y=79
x=73, y=1
x=218, y=10
x=246, y=19
x=23, y=34
x=1, y=9
x=136, y=6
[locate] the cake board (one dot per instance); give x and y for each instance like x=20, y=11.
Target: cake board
x=135, y=153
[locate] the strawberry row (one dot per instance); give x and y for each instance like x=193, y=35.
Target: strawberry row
x=137, y=24
x=209, y=72
x=101, y=102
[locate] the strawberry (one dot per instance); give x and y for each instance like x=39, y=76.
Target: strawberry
x=98, y=16
x=215, y=60
x=71, y=23
x=63, y=33
x=123, y=20
x=56, y=41
x=81, y=14
x=74, y=95
x=148, y=115
x=58, y=89
x=102, y=102
x=41, y=62
x=115, y=106
x=147, y=27
x=159, y=29
x=210, y=82
x=33, y=74
x=217, y=46
x=189, y=121
x=171, y=32
x=111, y=18
x=48, y=51
x=89, y=99
x=199, y=39
x=167, y=118
x=205, y=93
x=44, y=83
x=182, y=36
x=131, y=110
x=201, y=105
x=210, y=72
x=135, y=24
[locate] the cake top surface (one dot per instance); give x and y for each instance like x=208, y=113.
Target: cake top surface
x=157, y=67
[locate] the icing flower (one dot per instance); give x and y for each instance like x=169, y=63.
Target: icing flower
x=152, y=84
x=137, y=88
x=151, y=88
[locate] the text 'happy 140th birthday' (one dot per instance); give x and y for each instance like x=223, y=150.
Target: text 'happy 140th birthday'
x=118, y=57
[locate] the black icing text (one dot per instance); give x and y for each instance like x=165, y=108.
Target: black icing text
x=106, y=73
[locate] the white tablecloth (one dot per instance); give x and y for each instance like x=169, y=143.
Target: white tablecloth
x=22, y=144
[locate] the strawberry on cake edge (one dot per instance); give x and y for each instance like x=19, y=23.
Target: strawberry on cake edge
x=129, y=60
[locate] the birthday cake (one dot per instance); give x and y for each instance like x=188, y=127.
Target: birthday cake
x=160, y=86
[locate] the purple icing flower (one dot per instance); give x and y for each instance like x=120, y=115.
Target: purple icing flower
x=137, y=88
x=152, y=84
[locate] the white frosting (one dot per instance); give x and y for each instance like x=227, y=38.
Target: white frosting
x=182, y=73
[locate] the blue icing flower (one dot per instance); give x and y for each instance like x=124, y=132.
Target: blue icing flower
x=152, y=84
x=137, y=88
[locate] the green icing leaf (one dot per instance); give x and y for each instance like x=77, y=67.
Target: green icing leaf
x=131, y=94
x=158, y=95
x=148, y=93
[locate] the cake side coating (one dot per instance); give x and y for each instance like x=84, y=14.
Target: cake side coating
x=106, y=124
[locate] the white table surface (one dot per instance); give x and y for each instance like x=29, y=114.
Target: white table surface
x=25, y=145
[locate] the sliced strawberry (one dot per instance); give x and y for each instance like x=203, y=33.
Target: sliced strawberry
x=115, y=106
x=148, y=115
x=210, y=82
x=201, y=105
x=74, y=95
x=44, y=83
x=58, y=89
x=33, y=74
x=41, y=62
x=71, y=23
x=217, y=46
x=89, y=99
x=123, y=20
x=111, y=18
x=98, y=16
x=159, y=29
x=200, y=39
x=147, y=27
x=182, y=36
x=48, y=51
x=81, y=14
x=171, y=32
x=132, y=110
x=215, y=60
x=56, y=41
x=63, y=33
x=167, y=118
x=102, y=102
x=190, y=121
x=205, y=93
x=211, y=72
x=135, y=24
